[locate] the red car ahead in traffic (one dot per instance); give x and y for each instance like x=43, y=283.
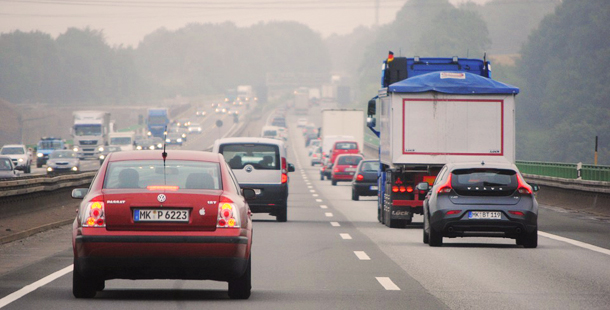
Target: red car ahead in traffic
x=149, y=217
x=344, y=168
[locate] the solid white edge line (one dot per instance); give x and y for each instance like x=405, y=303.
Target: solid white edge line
x=335, y=224
x=32, y=287
x=387, y=284
x=362, y=255
x=328, y=214
x=575, y=242
x=346, y=236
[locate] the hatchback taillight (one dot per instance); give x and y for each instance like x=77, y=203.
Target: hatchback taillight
x=228, y=214
x=94, y=215
x=360, y=177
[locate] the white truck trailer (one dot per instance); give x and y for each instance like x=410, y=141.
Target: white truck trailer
x=125, y=140
x=428, y=118
x=90, y=131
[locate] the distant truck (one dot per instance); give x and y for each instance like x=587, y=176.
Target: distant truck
x=339, y=125
x=125, y=140
x=245, y=93
x=157, y=121
x=45, y=146
x=301, y=101
x=432, y=111
x=90, y=132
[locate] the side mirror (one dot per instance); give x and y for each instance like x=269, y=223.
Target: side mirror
x=372, y=108
x=248, y=193
x=79, y=193
x=535, y=187
x=423, y=186
x=290, y=168
x=371, y=122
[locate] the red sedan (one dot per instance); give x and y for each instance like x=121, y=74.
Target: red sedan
x=150, y=217
x=344, y=168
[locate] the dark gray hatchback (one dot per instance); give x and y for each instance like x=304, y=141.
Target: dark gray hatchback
x=480, y=200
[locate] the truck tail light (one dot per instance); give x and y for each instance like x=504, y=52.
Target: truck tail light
x=402, y=189
x=94, y=215
x=446, y=188
x=228, y=214
x=395, y=189
x=359, y=177
x=409, y=189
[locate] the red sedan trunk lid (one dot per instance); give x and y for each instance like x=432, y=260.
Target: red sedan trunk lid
x=129, y=210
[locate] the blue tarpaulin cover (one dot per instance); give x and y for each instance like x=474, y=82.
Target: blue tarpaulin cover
x=452, y=82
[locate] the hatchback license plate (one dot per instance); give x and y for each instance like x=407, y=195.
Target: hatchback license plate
x=350, y=169
x=374, y=188
x=485, y=215
x=157, y=215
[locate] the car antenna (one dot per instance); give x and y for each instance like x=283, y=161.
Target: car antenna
x=164, y=155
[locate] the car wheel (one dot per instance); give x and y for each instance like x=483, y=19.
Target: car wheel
x=333, y=182
x=38, y=165
x=282, y=213
x=435, y=238
x=241, y=287
x=398, y=223
x=530, y=240
x=426, y=237
x=321, y=177
x=355, y=195
x=83, y=287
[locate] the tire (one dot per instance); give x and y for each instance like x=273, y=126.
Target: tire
x=282, y=213
x=434, y=237
x=397, y=223
x=28, y=169
x=241, y=287
x=321, y=177
x=38, y=165
x=530, y=240
x=355, y=195
x=83, y=287
x=333, y=182
x=426, y=237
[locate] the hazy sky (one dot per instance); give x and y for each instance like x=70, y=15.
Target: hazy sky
x=128, y=21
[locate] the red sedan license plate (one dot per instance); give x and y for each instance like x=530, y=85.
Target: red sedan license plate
x=163, y=215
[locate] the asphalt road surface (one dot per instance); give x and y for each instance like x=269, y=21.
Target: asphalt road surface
x=332, y=253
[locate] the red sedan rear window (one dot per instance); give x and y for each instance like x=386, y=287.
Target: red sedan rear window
x=349, y=160
x=175, y=174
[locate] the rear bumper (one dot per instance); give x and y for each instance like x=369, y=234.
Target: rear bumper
x=271, y=197
x=364, y=189
x=342, y=176
x=460, y=226
x=220, y=258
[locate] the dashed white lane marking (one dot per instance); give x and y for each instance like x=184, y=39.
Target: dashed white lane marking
x=575, y=242
x=387, y=284
x=315, y=195
x=312, y=190
x=328, y=214
x=318, y=200
x=346, y=236
x=32, y=287
x=309, y=186
x=362, y=255
x=335, y=224
x=324, y=206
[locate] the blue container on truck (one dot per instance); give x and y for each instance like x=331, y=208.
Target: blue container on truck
x=157, y=121
x=432, y=111
x=45, y=146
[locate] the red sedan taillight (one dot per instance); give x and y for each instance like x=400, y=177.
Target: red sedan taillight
x=94, y=215
x=228, y=214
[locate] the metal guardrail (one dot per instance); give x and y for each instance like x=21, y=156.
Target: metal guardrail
x=44, y=183
x=566, y=171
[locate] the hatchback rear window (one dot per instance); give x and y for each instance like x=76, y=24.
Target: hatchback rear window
x=346, y=146
x=175, y=174
x=349, y=160
x=370, y=166
x=484, y=181
x=260, y=156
